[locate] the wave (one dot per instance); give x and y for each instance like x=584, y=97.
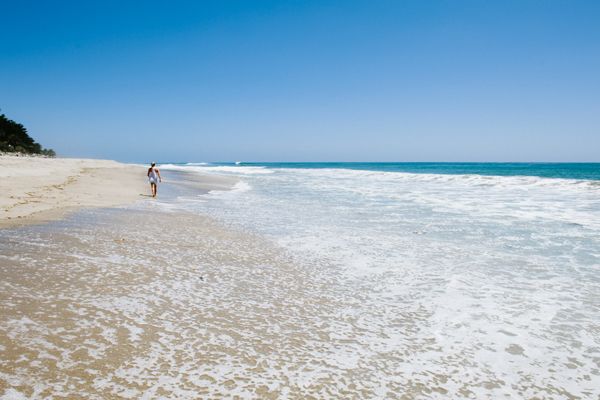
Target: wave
x=465, y=179
x=343, y=174
x=207, y=168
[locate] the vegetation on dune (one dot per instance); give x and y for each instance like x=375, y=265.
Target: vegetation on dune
x=14, y=139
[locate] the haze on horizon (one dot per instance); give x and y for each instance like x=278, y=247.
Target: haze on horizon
x=306, y=81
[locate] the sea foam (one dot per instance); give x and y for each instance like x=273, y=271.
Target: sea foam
x=486, y=282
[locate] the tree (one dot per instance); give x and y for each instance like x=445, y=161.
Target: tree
x=14, y=138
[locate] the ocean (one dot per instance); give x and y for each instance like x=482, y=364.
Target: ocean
x=587, y=171
x=481, y=279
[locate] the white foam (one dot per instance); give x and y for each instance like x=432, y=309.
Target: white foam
x=12, y=394
x=473, y=256
x=223, y=169
x=239, y=187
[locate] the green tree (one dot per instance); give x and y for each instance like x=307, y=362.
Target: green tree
x=14, y=138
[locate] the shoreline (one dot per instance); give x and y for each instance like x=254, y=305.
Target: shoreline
x=307, y=285
x=40, y=189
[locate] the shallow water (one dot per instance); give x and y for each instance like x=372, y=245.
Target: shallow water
x=480, y=286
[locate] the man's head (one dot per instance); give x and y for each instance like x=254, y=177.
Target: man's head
x=153, y=164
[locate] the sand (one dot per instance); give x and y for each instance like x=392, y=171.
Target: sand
x=36, y=189
x=109, y=303
x=94, y=309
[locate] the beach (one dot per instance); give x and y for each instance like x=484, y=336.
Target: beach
x=147, y=302
x=38, y=189
x=297, y=282
x=300, y=200
x=111, y=313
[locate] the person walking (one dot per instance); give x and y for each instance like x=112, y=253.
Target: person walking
x=154, y=178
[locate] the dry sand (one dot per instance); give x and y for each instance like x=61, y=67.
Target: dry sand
x=35, y=189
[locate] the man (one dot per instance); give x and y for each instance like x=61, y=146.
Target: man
x=154, y=178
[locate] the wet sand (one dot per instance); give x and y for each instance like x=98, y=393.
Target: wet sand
x=147, y=302
x=107, y=305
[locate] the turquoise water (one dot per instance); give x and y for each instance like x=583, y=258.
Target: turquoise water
x=583, y=171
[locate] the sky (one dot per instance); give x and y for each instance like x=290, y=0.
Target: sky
x=319, y=80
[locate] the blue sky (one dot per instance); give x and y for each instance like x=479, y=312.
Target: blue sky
x=305, y=80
